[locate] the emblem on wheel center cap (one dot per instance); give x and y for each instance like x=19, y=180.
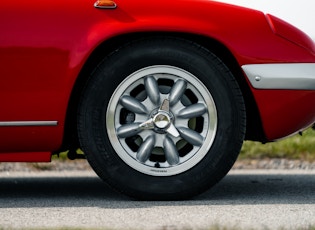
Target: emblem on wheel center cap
x=162, y=120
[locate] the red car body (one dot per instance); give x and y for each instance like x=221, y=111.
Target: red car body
x=47, y=49
x=45, y=46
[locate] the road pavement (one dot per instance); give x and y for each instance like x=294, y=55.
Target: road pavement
x=245, y=199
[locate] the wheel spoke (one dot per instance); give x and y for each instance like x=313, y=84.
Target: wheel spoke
x=145, y=149
x=133, y=105
x=191, y=136
x=192, y=111
x=152, y=89
x=177, y=91
x=170, y=150
x=128, y=130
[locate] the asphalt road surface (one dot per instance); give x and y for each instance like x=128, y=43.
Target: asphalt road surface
x=243, y=200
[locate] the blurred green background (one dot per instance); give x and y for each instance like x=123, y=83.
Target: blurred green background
x=295, y=147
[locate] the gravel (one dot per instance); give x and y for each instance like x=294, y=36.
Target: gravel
x=276, y=163
x=55, y=165
x=82, y=165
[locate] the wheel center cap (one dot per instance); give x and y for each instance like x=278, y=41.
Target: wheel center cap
x=162, y=120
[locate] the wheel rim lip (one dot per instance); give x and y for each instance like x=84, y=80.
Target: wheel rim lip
x=211, y=127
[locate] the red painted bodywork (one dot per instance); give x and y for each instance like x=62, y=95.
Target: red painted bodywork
x=45, y=44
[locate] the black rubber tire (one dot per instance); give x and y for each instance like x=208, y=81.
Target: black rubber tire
x=183, y=54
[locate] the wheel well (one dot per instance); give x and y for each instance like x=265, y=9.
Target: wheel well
x=254, y=129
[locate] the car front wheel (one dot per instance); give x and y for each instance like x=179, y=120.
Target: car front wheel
x=161, y=119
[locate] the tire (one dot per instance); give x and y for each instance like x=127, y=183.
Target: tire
x=161, y=119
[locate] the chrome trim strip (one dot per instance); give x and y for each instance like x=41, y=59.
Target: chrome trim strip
x=296, y=76
x=27, y=123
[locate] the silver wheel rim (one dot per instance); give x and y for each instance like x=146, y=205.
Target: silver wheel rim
x=161, y=120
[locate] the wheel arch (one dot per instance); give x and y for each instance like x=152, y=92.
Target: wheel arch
x=254, y=126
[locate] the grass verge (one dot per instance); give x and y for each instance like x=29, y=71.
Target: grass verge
x=295, y=147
